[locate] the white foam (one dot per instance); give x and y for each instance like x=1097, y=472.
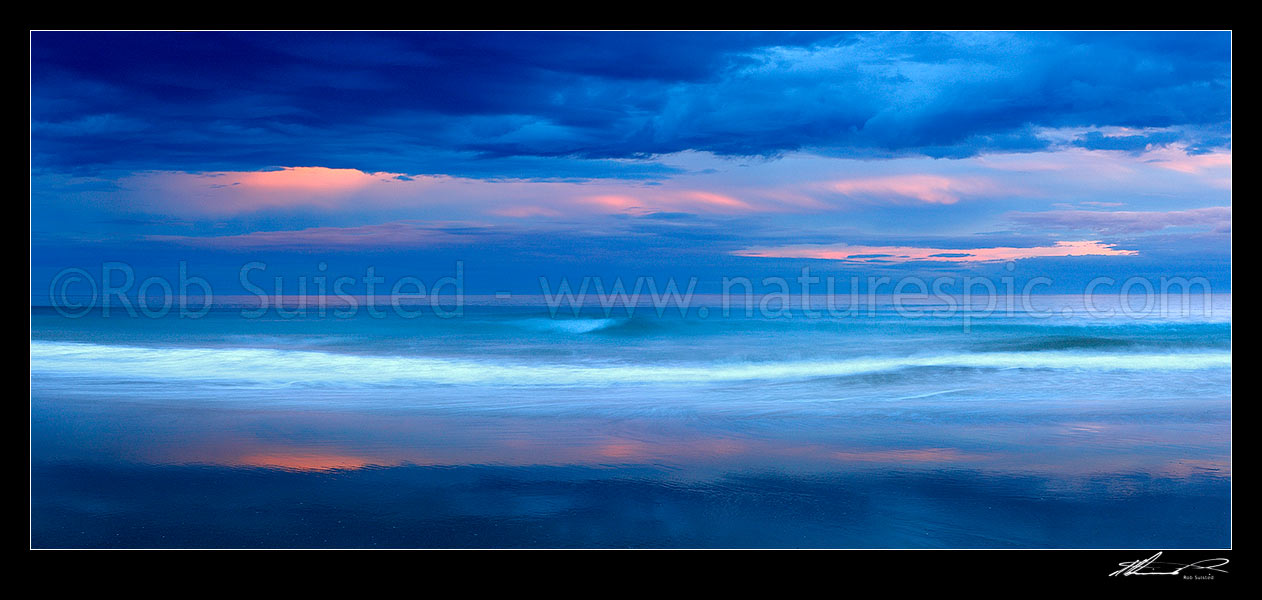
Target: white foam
x=288, y=367
x=575, y=326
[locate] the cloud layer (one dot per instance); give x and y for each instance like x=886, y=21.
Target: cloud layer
x=528, y=154
x=456, y=103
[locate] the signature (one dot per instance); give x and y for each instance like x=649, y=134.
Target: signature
x=1151, y=566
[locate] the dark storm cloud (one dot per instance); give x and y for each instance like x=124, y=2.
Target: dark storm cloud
x=549, y=104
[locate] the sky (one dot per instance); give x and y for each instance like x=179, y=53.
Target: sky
x=520, y=155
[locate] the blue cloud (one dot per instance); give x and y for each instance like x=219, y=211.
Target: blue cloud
x=544, y=104
x=1132, y=143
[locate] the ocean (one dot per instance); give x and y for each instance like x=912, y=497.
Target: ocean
x=513, y=427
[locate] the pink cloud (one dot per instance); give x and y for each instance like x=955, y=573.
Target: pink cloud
x=229, y=193
x=715, y=200
x=797, y=185
x=912, y=253
x=305, y=179
x=237, y=192
x=614, y=202
x=1177, y=159
x=682, y=200
x=397, y=234
x=1115, y=222
x=934, y=189
x=1158, y=169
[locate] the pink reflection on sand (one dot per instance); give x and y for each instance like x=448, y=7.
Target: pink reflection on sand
x=340, y=441
x=525, y=212
x=295, y=460
x=1187, y=467
x=918, y=455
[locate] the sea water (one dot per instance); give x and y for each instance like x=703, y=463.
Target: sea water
x=515, y=426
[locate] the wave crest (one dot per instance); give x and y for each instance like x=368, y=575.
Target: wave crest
x=289, y=367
